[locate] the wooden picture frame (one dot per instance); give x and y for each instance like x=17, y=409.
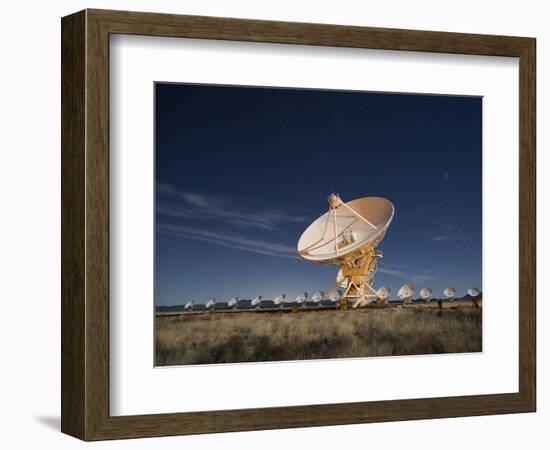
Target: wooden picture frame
x=85, y=224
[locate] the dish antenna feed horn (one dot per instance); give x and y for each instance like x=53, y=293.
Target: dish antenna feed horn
x=347, y=235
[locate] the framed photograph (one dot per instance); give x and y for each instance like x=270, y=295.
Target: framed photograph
x=273, y=225
x=237, y=170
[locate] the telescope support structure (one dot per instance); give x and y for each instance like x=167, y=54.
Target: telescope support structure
x=358, y=277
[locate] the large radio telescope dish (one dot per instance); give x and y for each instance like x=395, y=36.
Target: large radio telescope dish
x=188, y=305
x=233, y=302
x=348, y=235
x=256, y=301
x=358, y=223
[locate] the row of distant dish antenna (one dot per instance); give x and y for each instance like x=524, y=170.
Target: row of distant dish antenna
x=279, y=300
x=405, y=293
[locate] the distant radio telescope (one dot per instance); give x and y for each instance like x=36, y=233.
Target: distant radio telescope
x=426, y=294
x=383, y=293
x=189, y=305
x=348, y=236
x=317, y=298
x=301, y=299
x=279, y=300
x=473, y=292
x=233, y=302
x=449, y=293
x=256, y=301
x=341, y=280
x=336, y=296
x=406, y=292
x=210, y=303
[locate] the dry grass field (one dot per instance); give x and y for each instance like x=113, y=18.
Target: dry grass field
x=249, y=336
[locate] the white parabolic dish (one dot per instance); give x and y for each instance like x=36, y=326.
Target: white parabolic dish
x=426, y=293
x=449, y=292
x=473, y=292
x=352, y=231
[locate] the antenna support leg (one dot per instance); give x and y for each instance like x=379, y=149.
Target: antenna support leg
x=358, y=277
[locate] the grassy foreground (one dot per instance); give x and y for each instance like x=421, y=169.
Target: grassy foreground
x=249, y=337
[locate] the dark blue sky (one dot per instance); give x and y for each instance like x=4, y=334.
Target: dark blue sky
x=241, y=172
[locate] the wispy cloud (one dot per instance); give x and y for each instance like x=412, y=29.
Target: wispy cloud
x=190, y=205
x=406, y=274
x=395, y=272
x=230, y=240
x=276, y=249
x=451, y=233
